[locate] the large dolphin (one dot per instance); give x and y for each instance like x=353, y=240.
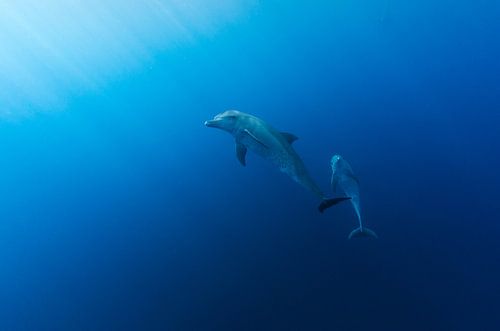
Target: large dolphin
x=252, y=133
x=343, y=179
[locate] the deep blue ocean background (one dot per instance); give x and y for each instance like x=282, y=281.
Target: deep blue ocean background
x=119, y=210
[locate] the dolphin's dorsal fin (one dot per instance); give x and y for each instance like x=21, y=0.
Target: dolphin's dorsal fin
x=241, y=152
x=255, y=138
x=290, y=137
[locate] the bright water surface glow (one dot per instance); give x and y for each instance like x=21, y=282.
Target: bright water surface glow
x=52, y=51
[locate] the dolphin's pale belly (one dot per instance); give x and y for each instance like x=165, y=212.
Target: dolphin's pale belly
x=286, y=159
x=351, y=188
x=278, y=156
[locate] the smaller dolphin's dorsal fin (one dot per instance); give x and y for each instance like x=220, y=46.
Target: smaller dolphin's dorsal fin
x=241, y=152
x=290, y=137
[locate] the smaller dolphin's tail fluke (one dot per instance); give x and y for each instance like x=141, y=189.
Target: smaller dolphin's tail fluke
x=327, y=203
x=362, y=232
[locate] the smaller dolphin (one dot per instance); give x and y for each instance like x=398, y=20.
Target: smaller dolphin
x=252, y=133
x=343, y=179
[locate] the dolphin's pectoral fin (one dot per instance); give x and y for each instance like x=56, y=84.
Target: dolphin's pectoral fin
x=241, y=152
x=290, y=137
x=255, y=138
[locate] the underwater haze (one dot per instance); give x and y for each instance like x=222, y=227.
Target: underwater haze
x=120, y=210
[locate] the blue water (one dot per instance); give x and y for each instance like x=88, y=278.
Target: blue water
x=121, y=211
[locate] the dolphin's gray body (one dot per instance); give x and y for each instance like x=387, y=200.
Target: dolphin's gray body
x=252, y=133
x=343, y=179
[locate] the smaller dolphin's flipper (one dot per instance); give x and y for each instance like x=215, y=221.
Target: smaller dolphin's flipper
x=327, y=203
x=241, y=152
x=290, y=137
x=362, y=232
x=255, y=138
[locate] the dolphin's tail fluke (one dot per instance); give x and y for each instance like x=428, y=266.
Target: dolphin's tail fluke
x=327, y=203
x=362, y=232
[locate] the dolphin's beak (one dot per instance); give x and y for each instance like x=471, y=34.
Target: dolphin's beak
x=211, y=123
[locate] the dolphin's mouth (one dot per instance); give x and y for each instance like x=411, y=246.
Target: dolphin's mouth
x=211, y=123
